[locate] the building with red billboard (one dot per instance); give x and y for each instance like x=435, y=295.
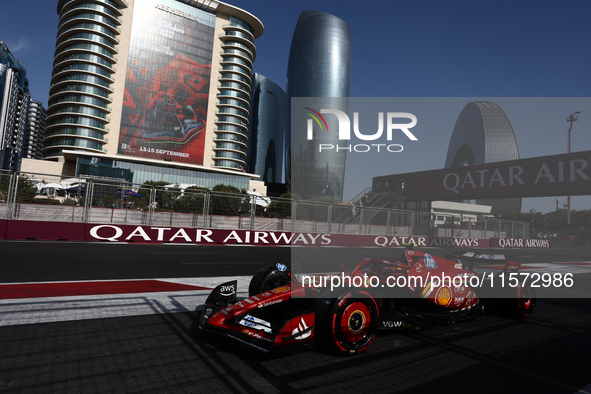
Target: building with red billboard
x=151, y=90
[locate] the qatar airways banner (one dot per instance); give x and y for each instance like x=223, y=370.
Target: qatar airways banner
x=521, y=243
x=106, y=232
x=33, y=230
x=557, y=175
x=122, y=233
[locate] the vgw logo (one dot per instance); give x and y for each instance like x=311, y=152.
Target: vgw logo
x=345, y=130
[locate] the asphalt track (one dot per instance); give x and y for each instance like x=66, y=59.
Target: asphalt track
x=154, y=352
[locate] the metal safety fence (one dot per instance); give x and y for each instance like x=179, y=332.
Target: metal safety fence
x=44, y=197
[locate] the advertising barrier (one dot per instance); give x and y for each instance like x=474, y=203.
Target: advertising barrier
x=460, y=242
x=521, y=243
x=36, y=230
x=44, y=231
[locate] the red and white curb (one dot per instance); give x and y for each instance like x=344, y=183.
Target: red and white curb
x=42, y=302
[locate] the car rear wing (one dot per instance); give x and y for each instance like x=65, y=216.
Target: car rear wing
x=472, y=257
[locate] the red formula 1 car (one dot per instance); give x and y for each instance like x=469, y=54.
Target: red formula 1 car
x=419, y=291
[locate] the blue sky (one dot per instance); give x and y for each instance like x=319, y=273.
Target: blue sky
x=416, y=48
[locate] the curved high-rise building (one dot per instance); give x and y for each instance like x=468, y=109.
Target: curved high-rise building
x=319, y=66
x=81, y=84
x=238, y=54
x=266, y=142
x=156, y=89
x=33, y=143
x=483, y=134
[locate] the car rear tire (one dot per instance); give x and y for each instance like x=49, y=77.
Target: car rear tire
x=346, y=325
x=521, y=305
x=269, y=278
x=526, y=301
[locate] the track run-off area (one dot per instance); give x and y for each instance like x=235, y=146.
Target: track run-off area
x=115, y=317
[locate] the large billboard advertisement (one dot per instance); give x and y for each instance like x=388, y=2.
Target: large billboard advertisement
x=167, y=82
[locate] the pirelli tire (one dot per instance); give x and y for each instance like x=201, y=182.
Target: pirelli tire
x=520, y=304
x=346, y=324
x=269, y=278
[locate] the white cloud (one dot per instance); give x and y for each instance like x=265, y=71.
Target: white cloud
x=21, y=46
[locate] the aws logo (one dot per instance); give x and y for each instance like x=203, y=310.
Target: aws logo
x=344, y=129
x=227, y=290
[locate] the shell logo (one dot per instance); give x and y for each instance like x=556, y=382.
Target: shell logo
x=443, y=297
x=281, y=289
x=527, y=304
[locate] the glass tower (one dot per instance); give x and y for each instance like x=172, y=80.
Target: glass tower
x=319, y=66
x=266, y=145
x=483, y=134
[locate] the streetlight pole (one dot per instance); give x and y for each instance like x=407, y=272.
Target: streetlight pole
x=571, y=118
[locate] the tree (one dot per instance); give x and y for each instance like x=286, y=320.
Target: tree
x=25, y=192
x=554, y=221
x=581, y=220
x=192, y=200
x=145, y=191
x=169, y=196
x=282, y=208
x=291, y=195
x=69, y=201
x=225, y=205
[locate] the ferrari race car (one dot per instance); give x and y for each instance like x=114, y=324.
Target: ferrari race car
x=416, y=292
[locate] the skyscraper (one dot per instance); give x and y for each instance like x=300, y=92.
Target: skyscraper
x=14, y=104
x=33, y=141
x=266, y=148
x=319, y=66
x=483, y=134
x=154, y=87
